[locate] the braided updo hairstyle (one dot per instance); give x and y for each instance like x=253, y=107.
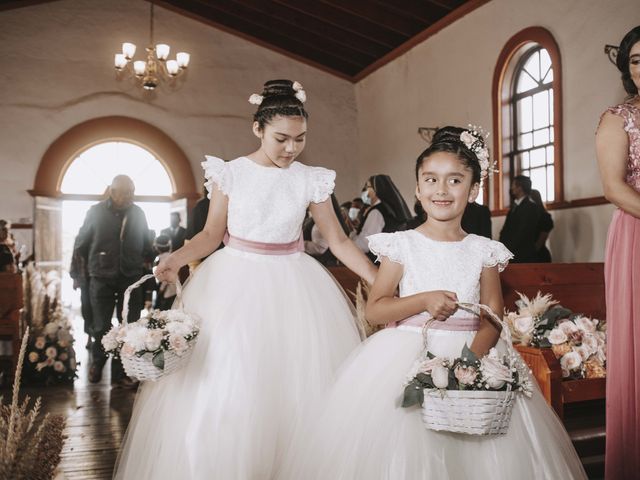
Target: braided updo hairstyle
x=278, y=98
x=447, y=139
x=622, y=59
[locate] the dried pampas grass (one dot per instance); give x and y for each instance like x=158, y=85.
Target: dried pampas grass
x=362, y=294
x=29, y=448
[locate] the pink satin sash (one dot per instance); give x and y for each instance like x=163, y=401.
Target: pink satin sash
x=460, y=324
x=264, y=248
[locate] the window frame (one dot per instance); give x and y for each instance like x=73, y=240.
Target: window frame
x=510, y=59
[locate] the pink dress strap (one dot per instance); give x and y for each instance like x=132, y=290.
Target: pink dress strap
x=264, y=248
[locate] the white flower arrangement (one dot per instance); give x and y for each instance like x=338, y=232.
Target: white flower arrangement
x=577, y=341
x=466, y=372
x=474, y=138
x=257, y=99
x=155, y=333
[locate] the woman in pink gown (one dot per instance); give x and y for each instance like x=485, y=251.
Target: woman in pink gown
x=618, y=152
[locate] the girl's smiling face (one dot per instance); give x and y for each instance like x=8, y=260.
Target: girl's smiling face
x=445, y=186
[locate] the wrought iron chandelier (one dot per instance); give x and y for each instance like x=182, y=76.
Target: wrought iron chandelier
x=156, y=68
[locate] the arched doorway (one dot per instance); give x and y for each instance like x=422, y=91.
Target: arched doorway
x=79, y=165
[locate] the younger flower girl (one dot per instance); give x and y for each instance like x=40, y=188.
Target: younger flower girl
x=363, y=433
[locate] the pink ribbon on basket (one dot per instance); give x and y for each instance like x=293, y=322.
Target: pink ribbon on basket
x=264, y=248
x=460, y=324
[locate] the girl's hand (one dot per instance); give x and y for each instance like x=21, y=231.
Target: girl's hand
x=441, y=304
x=167, y=270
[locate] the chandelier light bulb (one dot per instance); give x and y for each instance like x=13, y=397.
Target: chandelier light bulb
x=120, y=61
x=183, y=59
x=162, y=51
x=128, y=50
x=139, y=67
x=172, y=68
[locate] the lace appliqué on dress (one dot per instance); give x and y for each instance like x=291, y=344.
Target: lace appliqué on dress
x=216, y=171
x=386, y=245
x=631, y=116
x=497, y=254
x=323, y=182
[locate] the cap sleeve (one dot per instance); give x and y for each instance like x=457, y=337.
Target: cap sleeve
x=217, y=172
x=386, y=245
x=496, y=254
x=323, y=181
x=623, y=110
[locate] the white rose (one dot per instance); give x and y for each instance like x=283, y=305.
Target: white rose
x=33, y=357
x=178, y=344
x=179, y=328
x=495, y=373
x=590, y=342
x=583, y=351
x=467, y=138
x=51, y=352
x=571, y=330
x=440, y=376
x=109, y=341
x=59, y=367
x=153, y=339
x=136, y=337
x=466, y=375
x=557, y=336
x=570, y=361
x=523, y=325
x=40, y=343
x=586, y=324
x=50, y=330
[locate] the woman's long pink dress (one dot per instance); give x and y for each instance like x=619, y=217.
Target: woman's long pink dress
x=622, y=280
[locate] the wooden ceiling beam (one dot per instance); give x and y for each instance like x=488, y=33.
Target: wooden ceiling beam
x=425, y=12
x=353, y=24
x=379, y=17
x=317, y=27
x=285, y=43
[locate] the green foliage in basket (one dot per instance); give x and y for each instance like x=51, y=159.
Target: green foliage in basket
x=466, y=372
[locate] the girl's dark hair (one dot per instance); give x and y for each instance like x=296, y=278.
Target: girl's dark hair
x=447, y=139
x=622, y=59
x=279, y=98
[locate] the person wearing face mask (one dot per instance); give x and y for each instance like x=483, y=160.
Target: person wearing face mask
x=386, y=212
x=114, y=244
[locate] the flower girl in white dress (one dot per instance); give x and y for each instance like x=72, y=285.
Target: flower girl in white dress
x=363, y=433
x=274, y=323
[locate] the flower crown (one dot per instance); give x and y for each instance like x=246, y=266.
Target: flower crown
x=256, y=99
x=474, y=138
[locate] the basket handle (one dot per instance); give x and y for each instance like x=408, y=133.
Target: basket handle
x=493, y=318
x=133, y=286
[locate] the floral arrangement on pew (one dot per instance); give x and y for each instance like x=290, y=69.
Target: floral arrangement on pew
x=50, y=356
x=29, y=446
x=156, y=344
x=577, y=341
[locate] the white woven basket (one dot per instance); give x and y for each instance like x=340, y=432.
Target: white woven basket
x=142, y=367
x=473, y=412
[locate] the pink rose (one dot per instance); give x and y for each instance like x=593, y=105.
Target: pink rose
x=127, y=350
x=153, y=339
x=40, y=343
x=178, y=344
x=63, y=357
x=466, y=375
x=570, y=361
x=51, y=352
x=495, y=373
x=557, y=336
x=59, y=367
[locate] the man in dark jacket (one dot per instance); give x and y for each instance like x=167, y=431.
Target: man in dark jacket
x=520, y=230
x=115, y=244
x=175, y=232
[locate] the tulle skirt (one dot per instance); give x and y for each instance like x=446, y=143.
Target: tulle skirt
x=274, y=330
x=363, y=433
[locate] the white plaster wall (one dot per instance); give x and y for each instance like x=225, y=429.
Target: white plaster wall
x=57, y=72
x=447, y=80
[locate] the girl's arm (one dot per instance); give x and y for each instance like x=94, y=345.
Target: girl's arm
x=201, y=244
x=383, y=307
x=491, y=296
x=612, y=151
x=340, y=245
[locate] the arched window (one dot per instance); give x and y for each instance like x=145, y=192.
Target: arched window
x=527, y=116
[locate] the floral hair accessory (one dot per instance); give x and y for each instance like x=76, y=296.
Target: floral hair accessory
x=474, y=138
x=256, y=99
x=300, y=93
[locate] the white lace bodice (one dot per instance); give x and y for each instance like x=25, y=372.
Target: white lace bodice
x=267, y=204
x=433, y=265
